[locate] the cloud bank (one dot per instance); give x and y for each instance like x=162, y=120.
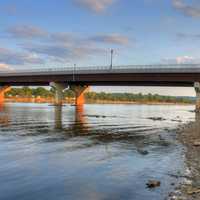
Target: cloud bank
x=181, y=60
x=116, y=39
x=188, y=36
x=26, y=32
x=97, y=6
x=186, y=9
x=38, y=45
x=10, y=57
x=5, y=67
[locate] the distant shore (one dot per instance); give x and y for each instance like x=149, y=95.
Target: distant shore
x=71, y=101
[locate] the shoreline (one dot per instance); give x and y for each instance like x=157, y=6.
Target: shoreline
x=71, y=101
x=189, y=136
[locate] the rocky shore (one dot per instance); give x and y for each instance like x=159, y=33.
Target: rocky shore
x=189, y=136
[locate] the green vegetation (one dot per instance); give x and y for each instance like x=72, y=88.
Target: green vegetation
x=137, y=97
x=102, y=96
x=35, y=92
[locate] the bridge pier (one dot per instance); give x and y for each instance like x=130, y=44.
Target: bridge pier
x=59, y=88
x=79, y=91
x=197, y=89
x=58, y=117
x=3, y=90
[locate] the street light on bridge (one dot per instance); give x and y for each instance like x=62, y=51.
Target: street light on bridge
x=111, y=61
x=74, y=69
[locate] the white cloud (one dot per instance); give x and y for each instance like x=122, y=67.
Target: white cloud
x=97, y=6
x=26, y=32
x=64, y=47
x=65, y=38
x=187, y=9
x=184, y=59
x=181, y=60
x=5, y=67
x=11, y=57
x=43, y=46
x=63, y=53
x=116, y=39
x=195, y=36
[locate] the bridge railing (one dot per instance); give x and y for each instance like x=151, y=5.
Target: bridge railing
x=108, y=69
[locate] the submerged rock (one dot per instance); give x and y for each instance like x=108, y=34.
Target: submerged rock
x=153, y=184
x=157, y=118
x=176, y=120
x=142, y=151
x=96, y=116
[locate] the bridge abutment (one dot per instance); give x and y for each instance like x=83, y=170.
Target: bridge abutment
x=79, y=91
x=197, y=89
x=3, y=90
x=59, y=88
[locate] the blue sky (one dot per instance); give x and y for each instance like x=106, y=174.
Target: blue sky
x=61, y=33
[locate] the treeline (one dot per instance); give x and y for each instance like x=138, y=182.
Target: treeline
x=129, y=97
x=35, y=92
x=102, y=96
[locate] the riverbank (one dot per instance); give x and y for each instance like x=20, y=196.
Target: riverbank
x=71, y=101
x=189, y=136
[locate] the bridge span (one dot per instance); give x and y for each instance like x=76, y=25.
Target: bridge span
x=80, y=78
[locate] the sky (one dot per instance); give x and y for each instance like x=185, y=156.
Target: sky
x=52, y=33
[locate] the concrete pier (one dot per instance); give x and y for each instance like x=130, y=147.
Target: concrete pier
x=3, y=90
x=79, y=93
x=197, y=89
x=59, y=88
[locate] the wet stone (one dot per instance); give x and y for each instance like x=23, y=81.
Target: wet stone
x=191, y=191
x=196, y=143
x=143, y=152
x=153, y=184
x=157, y=118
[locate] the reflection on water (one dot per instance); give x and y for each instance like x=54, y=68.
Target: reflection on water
x=58, y=117
x=92, y=152
x=4, y=115
x=79, y=124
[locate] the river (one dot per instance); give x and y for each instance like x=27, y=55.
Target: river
x=99, y=152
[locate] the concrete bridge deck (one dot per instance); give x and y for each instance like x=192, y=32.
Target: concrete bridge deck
x=142, y=75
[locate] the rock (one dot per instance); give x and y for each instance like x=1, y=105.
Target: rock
x=143, y=152
x=196, y=143
x=157, y=118
x=160, y=137
x=96, y=116
x=192, y=191
x=176, y=120
x=153, y=184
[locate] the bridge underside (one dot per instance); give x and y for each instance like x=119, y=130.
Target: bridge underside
x=124, y=83
x=132, y=79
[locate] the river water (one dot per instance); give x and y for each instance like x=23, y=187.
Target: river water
x=99, y=152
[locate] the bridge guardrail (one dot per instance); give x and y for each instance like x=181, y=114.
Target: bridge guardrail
x=133, y=68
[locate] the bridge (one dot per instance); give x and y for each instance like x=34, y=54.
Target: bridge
x=80, y=78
